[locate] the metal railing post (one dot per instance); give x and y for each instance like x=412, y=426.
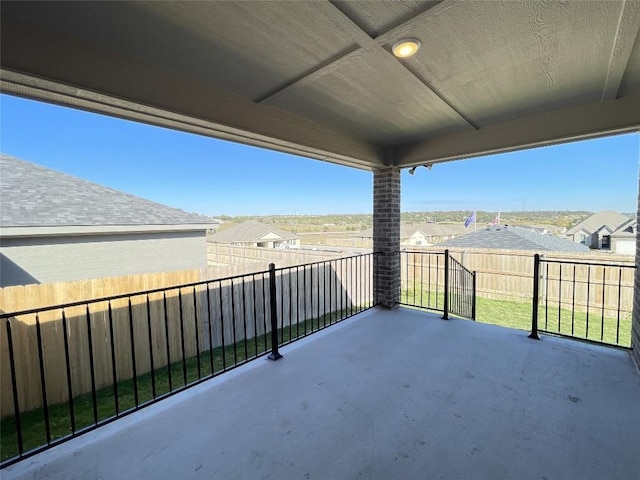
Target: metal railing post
x=274, y=355
x=446, y=285
x=473, y=298
x=14, y=390
x=536, y=293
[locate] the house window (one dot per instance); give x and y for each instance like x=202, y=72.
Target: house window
x=583, y=239
x=606, y=241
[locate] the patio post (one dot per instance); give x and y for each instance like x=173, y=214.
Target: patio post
x=536, y=297
x=275, y=354
x=445, y=315
x=386, y=235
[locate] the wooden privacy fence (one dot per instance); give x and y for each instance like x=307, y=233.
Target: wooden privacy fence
x=20, y=298
x=222, y=254
x=75, y=349
x=13, y=299
x=229, y=260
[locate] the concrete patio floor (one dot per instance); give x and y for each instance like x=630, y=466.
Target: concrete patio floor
x=384, y=395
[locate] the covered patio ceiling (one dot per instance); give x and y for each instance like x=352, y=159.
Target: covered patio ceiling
x=318, y=79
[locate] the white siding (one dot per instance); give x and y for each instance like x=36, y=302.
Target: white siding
x=59, y=259
x=271, y=236
x=625, y=246
x=416, y=239
x=581, y=237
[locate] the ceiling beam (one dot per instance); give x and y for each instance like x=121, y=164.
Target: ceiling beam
x=367, y=44
x=575, y=123
x=625, y=38
x=458, y=114
x=415, y=22
x=363, y=42
x=314, y=74
x=408, y=26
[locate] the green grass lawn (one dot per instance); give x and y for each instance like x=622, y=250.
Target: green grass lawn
x=181, y=373
x=517, y=313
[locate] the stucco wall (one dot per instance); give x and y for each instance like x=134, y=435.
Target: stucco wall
x=59, y=259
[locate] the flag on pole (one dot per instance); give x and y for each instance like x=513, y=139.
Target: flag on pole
x=471, y=219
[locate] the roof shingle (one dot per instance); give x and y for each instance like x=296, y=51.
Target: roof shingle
x=427, y=229
x=35, y=196
x=514, y=238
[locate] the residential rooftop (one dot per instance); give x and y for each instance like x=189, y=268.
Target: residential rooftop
x=427, y=229
x=514, y=238
x=627, y=229
x=608, y=218
x=35, y=196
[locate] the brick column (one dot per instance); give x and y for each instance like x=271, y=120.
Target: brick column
x=386, y=236
x=635, y=327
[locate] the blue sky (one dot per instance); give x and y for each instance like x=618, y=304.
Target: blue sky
x=214, y=177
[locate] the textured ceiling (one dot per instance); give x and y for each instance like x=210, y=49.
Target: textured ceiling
x=318, y=79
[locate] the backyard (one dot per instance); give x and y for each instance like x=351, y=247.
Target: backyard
x=517, y=314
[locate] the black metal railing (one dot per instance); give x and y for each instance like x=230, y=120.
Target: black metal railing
x=583, y=300
x=68, y=369
x=437, y=281
x=461, y=287
x=422, y=279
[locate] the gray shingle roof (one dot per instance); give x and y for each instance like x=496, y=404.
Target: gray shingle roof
x=35, y=196
x=607, y=218
x=427, y=229
x=627, y=229
x=514, y=238
x=250, y=231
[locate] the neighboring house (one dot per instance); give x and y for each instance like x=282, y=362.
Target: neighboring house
x=255, y=234
x=424, y=234
x=514, y=238
x=56, y=227
x=623, y=240
x=595, y=231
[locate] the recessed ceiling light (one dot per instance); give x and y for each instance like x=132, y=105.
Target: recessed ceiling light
x=406, y=47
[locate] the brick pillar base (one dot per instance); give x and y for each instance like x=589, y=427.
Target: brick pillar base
x=386, y=236
x=635, y=327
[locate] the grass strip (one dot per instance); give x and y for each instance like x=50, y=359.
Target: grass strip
x=517, y=313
